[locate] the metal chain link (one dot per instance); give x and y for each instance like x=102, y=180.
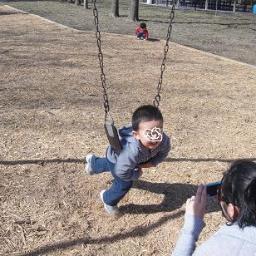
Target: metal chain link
x=100, y=57
x=157, y=98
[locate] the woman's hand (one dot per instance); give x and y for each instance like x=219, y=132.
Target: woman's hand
x=196, y=204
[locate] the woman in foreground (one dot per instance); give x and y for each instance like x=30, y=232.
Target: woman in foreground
x=237, y=198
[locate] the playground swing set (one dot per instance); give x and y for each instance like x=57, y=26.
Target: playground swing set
x=109, y=126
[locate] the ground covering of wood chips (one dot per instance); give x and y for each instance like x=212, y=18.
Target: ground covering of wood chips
x=51, y=117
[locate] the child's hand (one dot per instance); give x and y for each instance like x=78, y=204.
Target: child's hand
x=140, y=172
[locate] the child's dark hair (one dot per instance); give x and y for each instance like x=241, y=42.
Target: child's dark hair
x=145, y=113
x=239, y=188
x=143, y=25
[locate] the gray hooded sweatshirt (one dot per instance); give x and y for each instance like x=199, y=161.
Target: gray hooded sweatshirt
x=134, y=153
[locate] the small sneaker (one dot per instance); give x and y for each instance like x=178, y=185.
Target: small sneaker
x=88, y=165
x=112, y=210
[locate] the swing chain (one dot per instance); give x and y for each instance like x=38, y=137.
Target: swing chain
x=157, y=98
x=100, y=57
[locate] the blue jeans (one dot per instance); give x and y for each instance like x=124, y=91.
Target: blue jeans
x=141, y=35
x=119, y=187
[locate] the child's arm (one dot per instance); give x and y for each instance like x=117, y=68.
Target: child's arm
x=126, y=167
x=146, y=34
x=137, y=30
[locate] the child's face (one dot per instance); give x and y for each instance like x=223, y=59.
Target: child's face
x=150, y=133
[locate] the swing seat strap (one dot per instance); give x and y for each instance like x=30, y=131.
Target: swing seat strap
x=112, y=135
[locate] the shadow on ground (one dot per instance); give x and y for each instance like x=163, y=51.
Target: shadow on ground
x=139, y=231
x=82, y=160
x=153, y=40
x=175, y=196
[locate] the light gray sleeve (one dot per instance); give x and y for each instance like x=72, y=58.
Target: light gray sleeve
x=127, y=164
x=190, y=232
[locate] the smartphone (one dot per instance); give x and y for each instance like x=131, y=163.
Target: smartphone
x=212, y=188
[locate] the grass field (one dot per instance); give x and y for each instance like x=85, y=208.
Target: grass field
x=51, y=116
x=225, y=34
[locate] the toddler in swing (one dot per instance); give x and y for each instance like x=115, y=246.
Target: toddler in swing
x=142, y=31
x=144, y=145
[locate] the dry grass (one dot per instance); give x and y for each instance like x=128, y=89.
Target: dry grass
x=226, y=34
x=51, y=111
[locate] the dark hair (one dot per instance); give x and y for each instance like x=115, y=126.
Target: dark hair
x=143, y=25
x=145, y=113
x=239, y=188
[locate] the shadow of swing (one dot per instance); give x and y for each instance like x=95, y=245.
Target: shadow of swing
x=82, y=160
x=175, y=195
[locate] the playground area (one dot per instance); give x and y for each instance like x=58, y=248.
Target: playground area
x=51, y=113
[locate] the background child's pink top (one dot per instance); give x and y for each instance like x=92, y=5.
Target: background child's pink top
x=141, y=30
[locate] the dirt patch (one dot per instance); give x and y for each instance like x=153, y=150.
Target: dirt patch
x=51, y=117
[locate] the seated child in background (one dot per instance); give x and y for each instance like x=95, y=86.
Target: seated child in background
x=142, y=32
x=144, y=145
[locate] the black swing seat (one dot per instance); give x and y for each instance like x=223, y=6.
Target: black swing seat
x=112, y=135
